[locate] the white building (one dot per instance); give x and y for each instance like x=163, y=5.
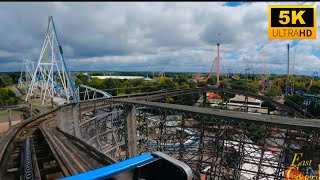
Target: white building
x=118, y=77
x=239, y=102
x=123, y=77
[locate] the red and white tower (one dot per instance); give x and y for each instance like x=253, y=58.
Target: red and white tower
x=218, y=61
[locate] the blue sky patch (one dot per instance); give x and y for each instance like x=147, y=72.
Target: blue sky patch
x=294, y=43
x=235, y=3
x=316, y=52
x=233, y=57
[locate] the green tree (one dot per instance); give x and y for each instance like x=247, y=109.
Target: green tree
x=181, y=79
x=245, y=85
x=97, y=74
x=83, y=78
x=272, y=92
x=165, y=82
x=315, y=89
x=7, y=97
x=212, y=79
x=5, y=80
x=97, y=83
x=78, y=81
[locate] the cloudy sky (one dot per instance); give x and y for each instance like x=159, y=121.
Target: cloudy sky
x=140, y=36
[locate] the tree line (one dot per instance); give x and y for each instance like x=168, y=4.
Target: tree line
x=131, y=86
x=7, y=97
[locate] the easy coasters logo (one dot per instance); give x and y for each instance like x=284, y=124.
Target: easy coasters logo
x=292, y=22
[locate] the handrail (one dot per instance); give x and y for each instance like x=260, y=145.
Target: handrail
x=113, y=169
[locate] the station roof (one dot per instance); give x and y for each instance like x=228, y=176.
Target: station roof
x=242, y=98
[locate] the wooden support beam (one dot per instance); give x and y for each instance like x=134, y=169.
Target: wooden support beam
x=131, y=130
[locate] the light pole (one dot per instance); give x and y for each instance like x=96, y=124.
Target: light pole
x=288, y=81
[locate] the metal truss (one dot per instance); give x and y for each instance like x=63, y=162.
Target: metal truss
x=51, y=77
x=27, y=71
x=91, y=93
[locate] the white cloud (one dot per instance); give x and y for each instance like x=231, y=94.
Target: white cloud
x=182, y=36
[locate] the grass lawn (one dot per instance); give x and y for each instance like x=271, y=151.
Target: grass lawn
x=9, y=87
x=13, y=112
